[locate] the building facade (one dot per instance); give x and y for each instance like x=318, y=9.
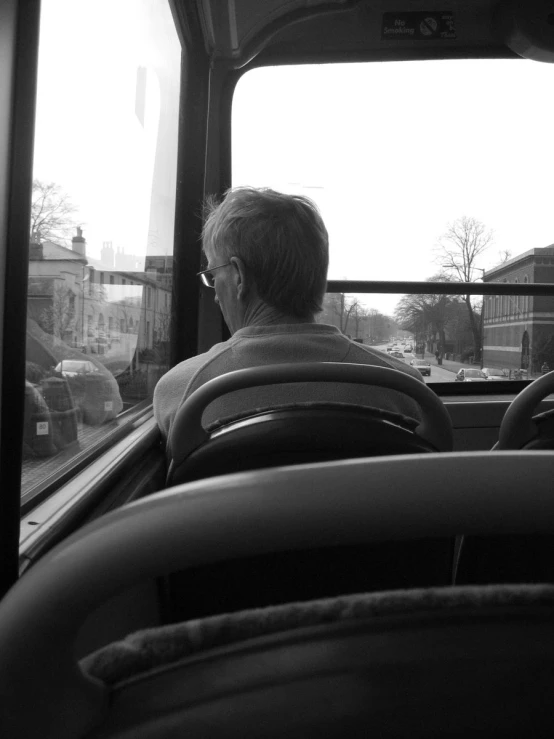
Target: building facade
x=519, y=330
x=121, y=315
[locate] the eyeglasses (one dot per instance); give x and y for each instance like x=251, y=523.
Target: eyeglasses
x=206, y=275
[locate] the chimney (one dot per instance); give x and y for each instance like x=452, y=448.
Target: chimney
x=35, y=247
x=107, y=255
x=78, y=243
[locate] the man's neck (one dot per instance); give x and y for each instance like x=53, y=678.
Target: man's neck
x=261, y=314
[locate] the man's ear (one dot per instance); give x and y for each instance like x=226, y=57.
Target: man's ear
x=242, y=279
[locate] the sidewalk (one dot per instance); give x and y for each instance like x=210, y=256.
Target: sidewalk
x=447, y=364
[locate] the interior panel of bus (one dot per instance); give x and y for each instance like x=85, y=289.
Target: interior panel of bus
x=308, y=568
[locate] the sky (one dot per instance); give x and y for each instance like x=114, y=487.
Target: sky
x=391, y=152
x=115, y=159
x=394, y=152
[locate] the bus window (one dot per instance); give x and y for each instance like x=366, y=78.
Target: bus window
x=102, y=223
x=414, y=186
x=440, y=335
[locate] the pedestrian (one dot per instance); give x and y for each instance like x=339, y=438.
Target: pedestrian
x=437, y=354
x=545, y=369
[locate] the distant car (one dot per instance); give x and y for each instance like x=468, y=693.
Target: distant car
x=408, y=348
x=76, y=367
x=397, y=354
x=495, y=374
x=389, y=348
x=422, y=365
x=471, y=375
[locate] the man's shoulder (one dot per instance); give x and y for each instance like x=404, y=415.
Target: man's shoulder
x=185, y=371
x=178, y=382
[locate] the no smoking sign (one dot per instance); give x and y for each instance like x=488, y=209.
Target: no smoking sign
x=429, y=26
x=418, y=26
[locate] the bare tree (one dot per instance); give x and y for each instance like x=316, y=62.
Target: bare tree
x=59, y=318
x=504, y=255
x=360, y=315
x=425, y=315
x=338, y=308
x=458, y=252
x=51, y=212
x=379, y=325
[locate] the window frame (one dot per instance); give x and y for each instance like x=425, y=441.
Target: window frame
x=225, y=76
x=20, y=27
x=125, y=420
x=20, y=21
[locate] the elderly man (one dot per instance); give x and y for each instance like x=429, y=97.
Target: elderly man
x=267, y=259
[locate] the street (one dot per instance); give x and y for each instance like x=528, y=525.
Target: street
x=438, y=374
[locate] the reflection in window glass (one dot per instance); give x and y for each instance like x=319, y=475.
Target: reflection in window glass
x=101, y=236
x=446, y=333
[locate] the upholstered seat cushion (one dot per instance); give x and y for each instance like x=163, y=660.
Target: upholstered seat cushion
x=153, y=648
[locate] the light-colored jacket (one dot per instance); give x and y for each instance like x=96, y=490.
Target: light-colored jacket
x=262, y=345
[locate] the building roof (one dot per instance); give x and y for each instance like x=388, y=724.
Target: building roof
x=53, y=251
x=493, y=272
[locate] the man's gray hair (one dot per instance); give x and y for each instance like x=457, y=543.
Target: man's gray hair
x=282, y=241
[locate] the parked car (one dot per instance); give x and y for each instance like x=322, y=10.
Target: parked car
x=422, y=365
x=495, y=374
x=471, y=375
x=76, y=367
x=408, y=349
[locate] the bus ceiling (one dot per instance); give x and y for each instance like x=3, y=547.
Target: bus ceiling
x=265, y=32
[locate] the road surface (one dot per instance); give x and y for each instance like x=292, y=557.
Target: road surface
x=438, y=374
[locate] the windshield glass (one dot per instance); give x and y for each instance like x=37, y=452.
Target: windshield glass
x=394, y=159
x=74, y=366
x=415, y=183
